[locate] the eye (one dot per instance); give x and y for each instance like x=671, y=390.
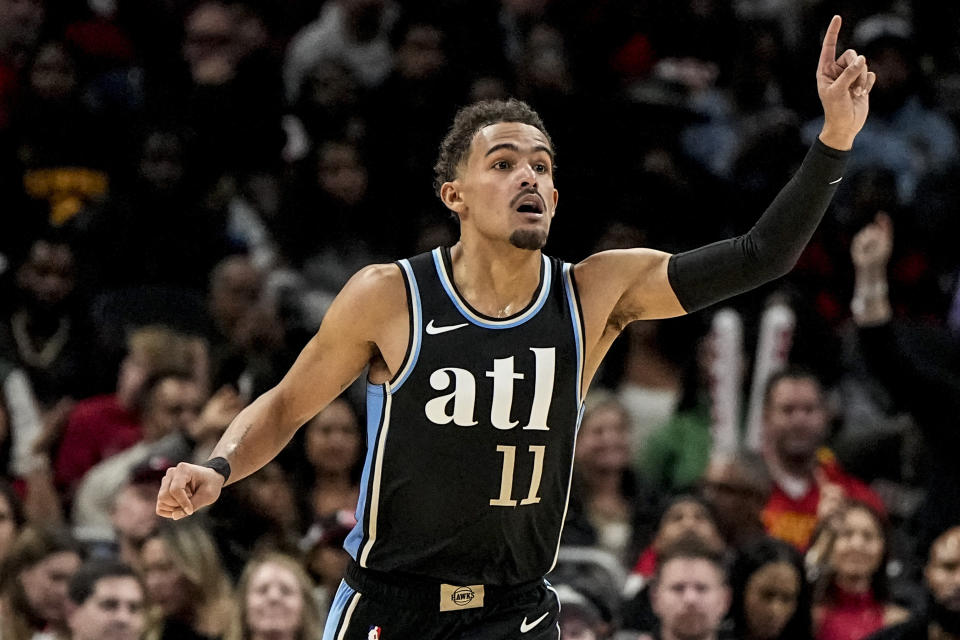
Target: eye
x=541, y=168
x=502, y=164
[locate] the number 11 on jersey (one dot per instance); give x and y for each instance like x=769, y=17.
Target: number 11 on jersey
x=506, y=478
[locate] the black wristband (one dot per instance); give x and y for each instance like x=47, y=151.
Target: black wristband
x=220, y=465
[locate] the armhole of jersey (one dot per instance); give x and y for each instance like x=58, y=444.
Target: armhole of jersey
x=415, y=326
x=576, y=319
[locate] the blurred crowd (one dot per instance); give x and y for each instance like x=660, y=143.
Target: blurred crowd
x=185, y=185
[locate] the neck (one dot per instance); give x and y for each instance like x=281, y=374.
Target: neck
x=496, y=282
x=853, y=583
x=795, y=467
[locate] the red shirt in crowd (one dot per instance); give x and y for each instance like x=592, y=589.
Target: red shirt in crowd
x=97, y=428
x=794, y=519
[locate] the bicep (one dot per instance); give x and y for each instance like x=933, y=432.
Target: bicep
x=347, y=340
x=633, y=284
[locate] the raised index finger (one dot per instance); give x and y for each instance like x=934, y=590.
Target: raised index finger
x=828, y=53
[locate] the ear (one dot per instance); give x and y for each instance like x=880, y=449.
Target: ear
x=451, y=196
x=556, y=198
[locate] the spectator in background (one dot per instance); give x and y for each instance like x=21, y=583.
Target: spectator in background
x=62, y=144
x=803, y=471
x=186, y=584
x=102, y=426
x=690, y=594
x=106, y=601
x=20, y=25
x=904, y=134
x=11, y=518
x=607, y=500
x=334, y=452
x=133, y=517
x=325, y=558
x=245, y=335
x=33, y=583
x=771, y=596
x=171, y=402
x=920, y=380
x=137, y=237
x=849, y=553
x=685, y=516
x=738, y=487
x=46, y=333
x=941, y=620
x=357, y=31
x=275, y=602
x=331, y=104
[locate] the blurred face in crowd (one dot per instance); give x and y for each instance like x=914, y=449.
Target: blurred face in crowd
x=47, y=277
x=274, y=602
x=161, y=162
x=210, y=46
x=20, y=23
x=172, y=405
x=736, y=499
x=134, y=519
x=603, y=443
x=943, y=570
x=167, y=586
x=272, y=495
x=796, y=420
x=333, y=439
x=8, y=526
x=690, y=599
x=45, y=585
x=859, y=544
x=53, y=76
x=686, y=517
x=234, y=289
x=341, y=174
x=421, y=54
x=770, y=599
x=114, y=611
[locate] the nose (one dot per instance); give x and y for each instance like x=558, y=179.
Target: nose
x=528, y=177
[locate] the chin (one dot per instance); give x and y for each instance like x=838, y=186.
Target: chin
x=530, y=239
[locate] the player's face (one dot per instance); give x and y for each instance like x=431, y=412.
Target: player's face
x=690, y=598
x=506, y=190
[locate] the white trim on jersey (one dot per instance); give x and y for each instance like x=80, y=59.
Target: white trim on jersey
x=374, y=500
x=349, y=614
x=417, y=326
x=488, y=323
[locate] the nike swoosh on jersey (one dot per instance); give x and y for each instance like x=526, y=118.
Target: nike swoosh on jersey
x=524, y=626
x=434, y=330
x=836, y=181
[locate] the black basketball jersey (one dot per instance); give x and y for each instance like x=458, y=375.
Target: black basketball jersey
x=470, y=445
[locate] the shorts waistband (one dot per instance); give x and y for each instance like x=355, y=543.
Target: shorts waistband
x=417, y=590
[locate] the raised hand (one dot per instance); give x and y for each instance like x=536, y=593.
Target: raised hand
x=843, y=84
x=872, y=246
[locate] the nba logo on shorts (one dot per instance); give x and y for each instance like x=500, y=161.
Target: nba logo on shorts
x=374, y=633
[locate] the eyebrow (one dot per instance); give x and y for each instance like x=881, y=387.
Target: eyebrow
x=512, y=147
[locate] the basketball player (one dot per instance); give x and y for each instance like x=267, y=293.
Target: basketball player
x=478, y=358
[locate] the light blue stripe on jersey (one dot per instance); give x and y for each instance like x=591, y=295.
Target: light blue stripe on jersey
x=375, y=403
x=340, y=603
x=577, y=329
x=416, y=338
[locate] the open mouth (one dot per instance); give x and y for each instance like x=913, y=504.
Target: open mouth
x=530, y=204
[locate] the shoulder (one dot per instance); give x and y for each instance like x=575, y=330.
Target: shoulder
x=375, y=283
x=604, y=264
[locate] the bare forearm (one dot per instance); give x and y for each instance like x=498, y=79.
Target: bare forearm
x=256, y=435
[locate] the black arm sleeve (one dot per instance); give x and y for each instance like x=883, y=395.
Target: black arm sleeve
x=769, y=250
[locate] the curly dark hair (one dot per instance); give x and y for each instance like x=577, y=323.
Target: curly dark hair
x=468, y=121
